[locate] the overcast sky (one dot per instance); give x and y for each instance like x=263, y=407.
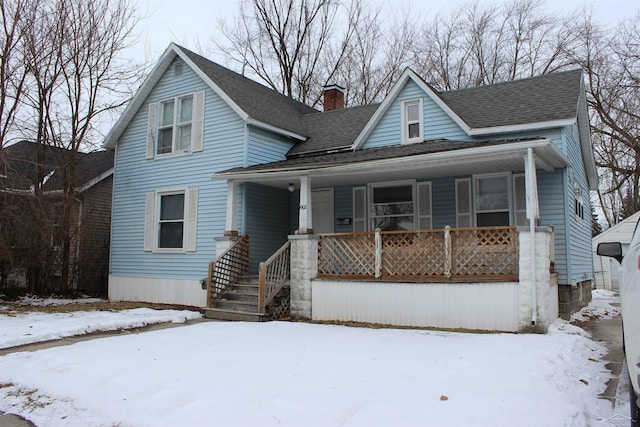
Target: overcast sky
x=187, y=21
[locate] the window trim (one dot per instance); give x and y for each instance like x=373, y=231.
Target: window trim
x=175, y=125
x=405, y=121
x=156, y=219
x=152, y=219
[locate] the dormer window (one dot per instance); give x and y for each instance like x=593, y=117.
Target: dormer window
x=412, y=121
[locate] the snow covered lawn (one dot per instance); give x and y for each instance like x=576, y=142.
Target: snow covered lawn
x=298, y=374
x=20, y=327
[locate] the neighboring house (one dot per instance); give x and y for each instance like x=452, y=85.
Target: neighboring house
x=467, y=168
x=27, y=166
x=607, y=269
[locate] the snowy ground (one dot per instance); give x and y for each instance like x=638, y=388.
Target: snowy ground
x=298, y=374
x=19, y=328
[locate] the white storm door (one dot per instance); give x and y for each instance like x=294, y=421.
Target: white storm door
x=322, y=210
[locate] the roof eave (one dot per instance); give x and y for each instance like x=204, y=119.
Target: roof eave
x=266, y=126
x=522, y=127
x=559, y=159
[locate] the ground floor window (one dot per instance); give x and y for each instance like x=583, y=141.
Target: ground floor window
x=171, y=221
x=492, y=200
x=392, y=207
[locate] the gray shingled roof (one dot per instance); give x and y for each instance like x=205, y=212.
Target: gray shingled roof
x=333, y=130
x=19, y=168
x=537, y=99
x=258, y=101
x=370, y=154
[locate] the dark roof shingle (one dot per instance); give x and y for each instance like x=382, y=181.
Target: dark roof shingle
x=19, y=170
x=258, y=101
x=538, y=99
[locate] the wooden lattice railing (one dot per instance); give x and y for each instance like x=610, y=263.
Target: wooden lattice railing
x=487, y=253
x=274, y=273
x=227, y=268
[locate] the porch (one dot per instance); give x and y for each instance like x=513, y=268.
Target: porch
x=469, y=278
x=418, y=269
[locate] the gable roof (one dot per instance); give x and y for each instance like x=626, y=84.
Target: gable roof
x=19, y=170
x=547, y=101
x=550, y=100
x=257, y=101
x=253, y=102
x=621, y=232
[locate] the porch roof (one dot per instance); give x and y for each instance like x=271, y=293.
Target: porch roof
x=429, y=159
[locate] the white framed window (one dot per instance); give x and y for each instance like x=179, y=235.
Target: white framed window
x=391, y=206
x=412, y=121
x=171, y=220
x=175, y=125
x=492, y=200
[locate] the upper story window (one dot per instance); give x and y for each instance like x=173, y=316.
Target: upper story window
x=412, y=121
x=174, y=129
x=176, y=125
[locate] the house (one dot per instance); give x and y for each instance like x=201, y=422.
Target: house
x=462, y=209
x=607, y=270
x=30, y=245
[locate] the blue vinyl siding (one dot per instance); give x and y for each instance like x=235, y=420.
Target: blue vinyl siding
x=552, y=212
x=266, y=147
x=580, y=256
x=267, y=225
x=135, y=176
x=437, y=124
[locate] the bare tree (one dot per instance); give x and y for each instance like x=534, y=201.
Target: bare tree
x=477, y=44
x=609, y=59
x=294, y=46
x=71, y=51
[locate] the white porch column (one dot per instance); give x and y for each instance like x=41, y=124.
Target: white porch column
x=304, y=268
x=536, y=280
x=305, y=219
x=230, y=228
x=533, y=213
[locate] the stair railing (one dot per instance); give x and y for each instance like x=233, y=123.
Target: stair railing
x=227, y=268
x=274, y=273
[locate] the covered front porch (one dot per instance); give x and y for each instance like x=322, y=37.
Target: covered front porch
x=491, y=269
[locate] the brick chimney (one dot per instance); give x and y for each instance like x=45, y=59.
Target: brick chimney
x=333, y=97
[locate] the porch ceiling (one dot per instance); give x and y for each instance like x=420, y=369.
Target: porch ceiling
x=460, y=162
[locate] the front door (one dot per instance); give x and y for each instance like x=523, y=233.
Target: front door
x=322, y=210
